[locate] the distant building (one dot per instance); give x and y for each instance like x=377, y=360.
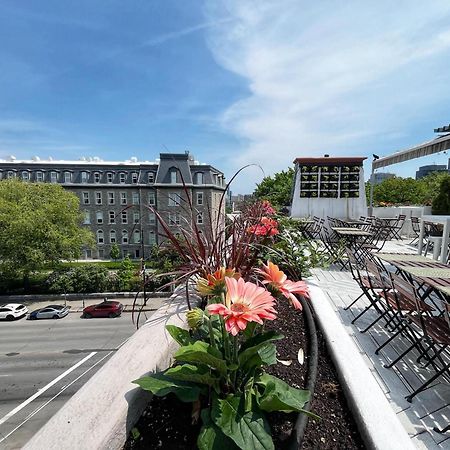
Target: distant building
x=239, y=200
x=380, y=177
x=426, y=170
x=114, y=195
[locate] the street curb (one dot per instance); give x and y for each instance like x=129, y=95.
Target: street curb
x=379, y=426
x=102, y=413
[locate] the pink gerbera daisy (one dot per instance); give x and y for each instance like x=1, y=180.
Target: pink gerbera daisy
x=245, y=302
x=278, y=279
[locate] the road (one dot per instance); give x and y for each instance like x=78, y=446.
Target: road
x=43, y=363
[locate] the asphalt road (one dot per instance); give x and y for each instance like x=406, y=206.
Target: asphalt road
x=44, y=362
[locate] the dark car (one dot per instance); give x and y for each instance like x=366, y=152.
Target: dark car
x=104, y=309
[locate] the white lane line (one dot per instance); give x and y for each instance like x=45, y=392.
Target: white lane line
x=45, y=388
x=53, y=398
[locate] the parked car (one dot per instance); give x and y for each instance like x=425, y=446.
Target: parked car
x=104, y=309
x=50, y=312
x=12, y=311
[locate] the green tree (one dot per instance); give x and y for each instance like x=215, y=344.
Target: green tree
x=431, y=185
x=398, y=190
x=115, y=252
x=40, y=224
x=125, y=275
x=441, y=204
x=277, y=188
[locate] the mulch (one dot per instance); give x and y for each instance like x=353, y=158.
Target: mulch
x=166, y=423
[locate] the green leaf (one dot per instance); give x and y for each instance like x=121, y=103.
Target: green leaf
x=196, y=374
x=159, y=384
x=260, y=338
x=279, y=396
x=135, y=433
x=249, y=430
x=258, y=355
x=201, y=352
x=180, y=335
x=211, y=436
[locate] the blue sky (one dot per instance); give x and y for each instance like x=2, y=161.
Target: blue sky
x=235, y=82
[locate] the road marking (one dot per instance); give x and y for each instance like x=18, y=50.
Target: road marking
x=45, y=388
x=53, y=398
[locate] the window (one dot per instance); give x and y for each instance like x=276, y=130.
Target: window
x=151, y=177
x=112, y=236
x=11, y=174
x=40, y=177
x=100, y=238
x=173, y=176
x=200, y=218
x=112, y=217
x=174, y=219
x=97, y=176
x=199, y=198
x=134, y=177
x=174, y=199
x=87, y=217
x=109, y=177
x=99, y=216
x=123, y=198
x=137, y=236
x=152, y=218
x=25, y=175
x=53, y=177
x=152, y=238
x=111, y=200
x=122, y=177
x=151, y=199
x=85, y=198
x=137, y=253
x=67, y=177
x=98, y=198
x=84, y=177
x=135, y=198
x=199, y=178
x=136, y=217
x=124, y=217
x=124, y=237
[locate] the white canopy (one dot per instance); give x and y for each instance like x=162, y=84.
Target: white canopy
x=436, y=145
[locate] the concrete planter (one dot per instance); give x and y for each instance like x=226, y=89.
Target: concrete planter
x=101, y=414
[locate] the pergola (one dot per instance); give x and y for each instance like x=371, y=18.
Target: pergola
x=439, y=144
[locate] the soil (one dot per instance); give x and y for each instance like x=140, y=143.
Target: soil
x=166, y=423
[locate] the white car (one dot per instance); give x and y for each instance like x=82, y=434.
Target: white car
x=12, y=311
x=50, y=312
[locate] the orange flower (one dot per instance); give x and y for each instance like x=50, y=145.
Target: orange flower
x=245, y=302
x=277, y=279
x=215, y=284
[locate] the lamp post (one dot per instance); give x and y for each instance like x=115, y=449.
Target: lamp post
x=372, y=183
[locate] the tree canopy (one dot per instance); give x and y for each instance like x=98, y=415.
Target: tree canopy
x=277, y=188
x=407, y=191
x=441, y=204
x=40, y=223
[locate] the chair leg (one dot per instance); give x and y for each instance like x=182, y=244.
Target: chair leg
x=444, y=430
x=399, y=357
x=389, y=340
x=353, y=302
x=427, y=383
x=373, y=323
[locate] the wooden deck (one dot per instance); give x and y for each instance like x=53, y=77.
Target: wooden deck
x=429, y=408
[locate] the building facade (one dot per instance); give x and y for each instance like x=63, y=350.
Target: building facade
x=116, y=197
x=433, y=168
x=379, y=177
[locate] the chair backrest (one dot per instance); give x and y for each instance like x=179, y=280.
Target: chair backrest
x=415, y=223
x=374, y=271
x=405, y=293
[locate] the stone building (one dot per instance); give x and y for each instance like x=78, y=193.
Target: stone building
x=114, y=196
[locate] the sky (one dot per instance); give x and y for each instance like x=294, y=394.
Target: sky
x=235, y=82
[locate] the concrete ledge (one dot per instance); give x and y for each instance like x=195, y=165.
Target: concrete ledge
x=101, y=414
x=69, y=297
x=378, y=424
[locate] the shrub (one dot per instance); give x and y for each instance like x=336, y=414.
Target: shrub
x=441, y=204
x=82, y=279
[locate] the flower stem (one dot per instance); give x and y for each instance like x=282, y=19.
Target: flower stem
x=211, y=333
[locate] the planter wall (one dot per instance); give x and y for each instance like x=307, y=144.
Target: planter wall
x=101, y=414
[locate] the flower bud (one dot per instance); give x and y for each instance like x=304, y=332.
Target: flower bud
x=195, y=318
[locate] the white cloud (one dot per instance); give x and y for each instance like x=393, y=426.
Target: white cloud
x=328, y=76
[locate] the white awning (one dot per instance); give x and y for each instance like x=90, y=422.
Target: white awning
x=436, y=145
